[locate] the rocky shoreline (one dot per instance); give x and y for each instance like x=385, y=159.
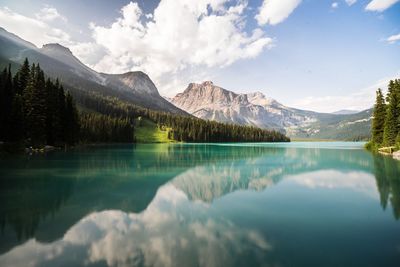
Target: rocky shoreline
x=390, y=151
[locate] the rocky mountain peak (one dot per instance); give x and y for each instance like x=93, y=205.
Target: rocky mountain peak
x=56, y=47
x=258, y=98
x=207, y=83
x=134, y=74
x=134, y=80
x=256, y=95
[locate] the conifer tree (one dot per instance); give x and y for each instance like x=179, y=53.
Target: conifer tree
x=71, y=121
x=59, y=124
x=35, y=107
x=378, y=122
x=6, y=103
x=16, y=129
x=21, y=79
x=392, y=114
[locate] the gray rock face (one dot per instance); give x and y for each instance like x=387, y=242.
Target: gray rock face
x=136, y=81
x=211, y=102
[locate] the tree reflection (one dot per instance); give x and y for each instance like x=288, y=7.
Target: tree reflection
x=387, y=174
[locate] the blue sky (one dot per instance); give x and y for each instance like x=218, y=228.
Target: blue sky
x=311, y=54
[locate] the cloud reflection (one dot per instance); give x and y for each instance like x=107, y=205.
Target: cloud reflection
x=331, y=179
x=172, y=231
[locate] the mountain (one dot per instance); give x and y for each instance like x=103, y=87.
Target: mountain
x=58, y=61
x=345, y=112
x=212, y=102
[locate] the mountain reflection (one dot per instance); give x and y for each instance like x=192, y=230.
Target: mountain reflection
x=172, y=231
x=49, y=198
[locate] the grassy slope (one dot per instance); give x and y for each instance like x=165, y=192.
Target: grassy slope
x=147, y=131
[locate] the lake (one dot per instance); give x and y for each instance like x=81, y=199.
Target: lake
x=294, y=204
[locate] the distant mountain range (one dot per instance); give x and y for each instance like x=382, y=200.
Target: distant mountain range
x=211, y=102
x=345, y=112
x=205, y=100
x=58, y=62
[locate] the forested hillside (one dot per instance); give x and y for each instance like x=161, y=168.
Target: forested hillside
x=36, y=111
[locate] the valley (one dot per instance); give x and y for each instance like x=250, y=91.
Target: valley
x=202, y=100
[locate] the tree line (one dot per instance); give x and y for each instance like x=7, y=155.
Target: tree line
x=37, y=111
x=184, y=128
x=385, y=129
x=34, y=110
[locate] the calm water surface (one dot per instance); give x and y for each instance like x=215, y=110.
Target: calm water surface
x=298, y=204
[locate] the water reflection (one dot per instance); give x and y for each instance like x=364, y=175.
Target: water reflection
x=387, y=174
x=172, y=231
x=155, y=204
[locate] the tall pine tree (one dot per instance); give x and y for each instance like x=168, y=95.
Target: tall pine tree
x=21, y=79
x=392, y=114
x=7, y=94
x=71, y=121
x=35, y=107
x=378, y=122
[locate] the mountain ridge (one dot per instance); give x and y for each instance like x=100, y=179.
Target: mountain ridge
x=59, y=62
x=206, y=100
x=211, y=102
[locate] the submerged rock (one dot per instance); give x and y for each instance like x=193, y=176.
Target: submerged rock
x=396, y=155
x=49, y=148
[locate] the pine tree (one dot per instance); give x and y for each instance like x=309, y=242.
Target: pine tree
x=71, y=121
x=392, y=114
x=7, y=93
x=35, y=107
x=378, y=122
x=59, y=123
x=21, y=79
x=51, y=112
x=16, y=129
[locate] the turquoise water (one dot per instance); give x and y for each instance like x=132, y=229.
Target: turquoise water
x=295, y=204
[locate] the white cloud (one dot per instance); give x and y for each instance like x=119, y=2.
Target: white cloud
x=49, y=14
x=393, y=39
x=275, y=11
x=380, y=5
x=350, y=2
x=335, y=5
x=212, y=35
x=31, y=29
x=361, y=100
x=88, y=52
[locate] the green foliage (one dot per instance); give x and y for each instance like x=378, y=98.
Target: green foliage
x=147, y=131
x=386, y=121
x=378, y=121
x=35, y=111
x=98, y=128
x=35, y=107
x=6, y=100
x=183, y=128
x=392, y=113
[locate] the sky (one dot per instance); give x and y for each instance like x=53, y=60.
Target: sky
x=319, y=55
